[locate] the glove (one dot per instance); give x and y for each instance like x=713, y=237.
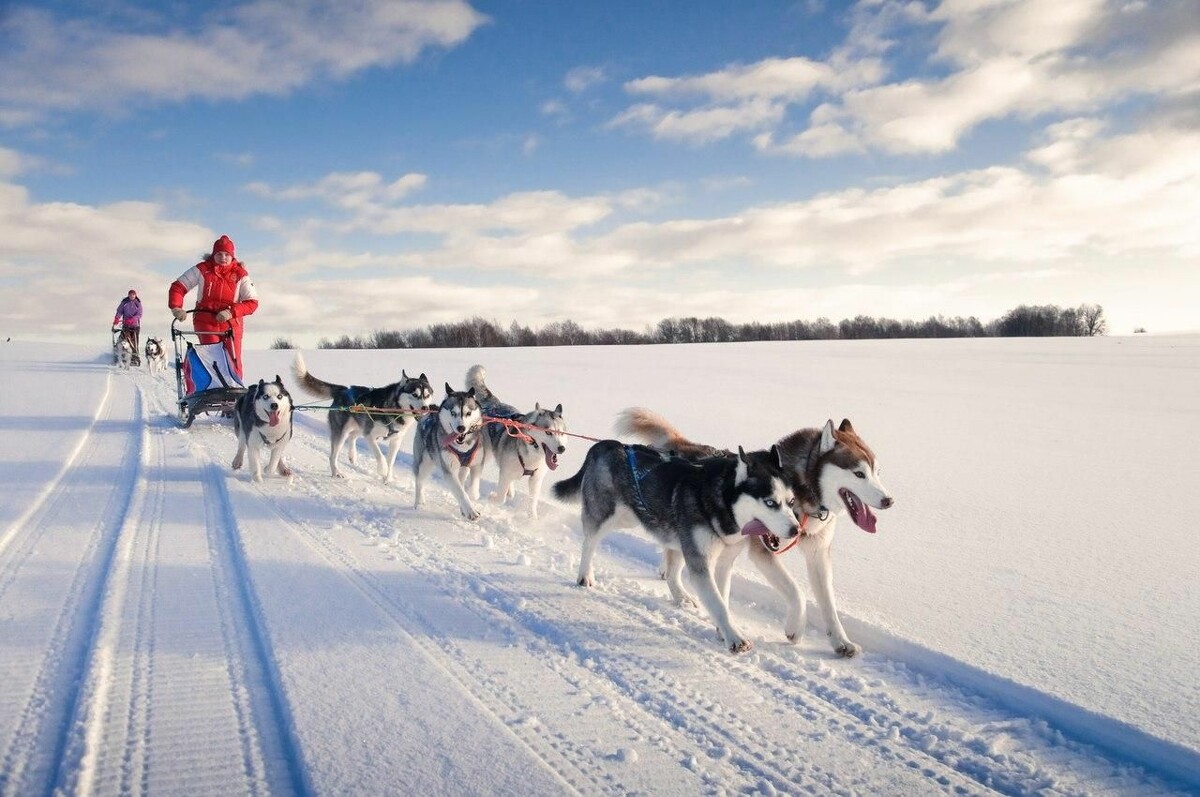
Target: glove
x=179, y=313
x=224, y=315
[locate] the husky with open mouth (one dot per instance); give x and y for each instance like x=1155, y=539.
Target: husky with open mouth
x=530, y=449
x=703, y=512
x=451, y=440
x=156, y=355
x=262, y=417
x=834, y=472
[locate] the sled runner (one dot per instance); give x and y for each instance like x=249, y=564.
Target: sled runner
x=116, y=344
x=204, y=378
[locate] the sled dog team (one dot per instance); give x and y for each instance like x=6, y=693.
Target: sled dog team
x=703, y=505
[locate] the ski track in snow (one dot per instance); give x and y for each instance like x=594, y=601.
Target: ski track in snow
x=578, y=679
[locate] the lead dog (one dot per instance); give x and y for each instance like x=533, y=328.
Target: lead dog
x=451, y=440
x=835, y=473
x=156, y=355
x=701, y=512
x=530, y=450
x=409, y=398
x=262, y=417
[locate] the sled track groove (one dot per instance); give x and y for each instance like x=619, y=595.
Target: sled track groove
x=490, y=695
x=243, y=608
x=36, y=756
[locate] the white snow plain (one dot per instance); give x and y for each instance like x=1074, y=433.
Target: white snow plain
x=1028, y=609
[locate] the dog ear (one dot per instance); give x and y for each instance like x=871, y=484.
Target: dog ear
x=845, y=427
x=742, y=455
x=261, y=384
x=403, y=375
x=471, y=392
x=558, y=410
x=449, y=390
x=777, y=456
x=424, y=378
x=278, y=381
x=827, y=439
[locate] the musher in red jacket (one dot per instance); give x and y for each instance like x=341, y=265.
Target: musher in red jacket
x=226, y=296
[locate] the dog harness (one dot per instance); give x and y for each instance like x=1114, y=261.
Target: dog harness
x=465, y=458
x=638, y=474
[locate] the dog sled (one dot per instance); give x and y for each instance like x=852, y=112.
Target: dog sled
x=116, y=345
x=205, y=380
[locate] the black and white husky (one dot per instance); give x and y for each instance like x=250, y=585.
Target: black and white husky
x=124, y=353
x=451, y=440
x=262, y=417
x=703, y=512
x=156, y=355
x=530, y=450
x=408, y=398
x=834, y=473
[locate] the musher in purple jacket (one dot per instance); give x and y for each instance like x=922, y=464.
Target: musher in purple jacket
x=129, y=317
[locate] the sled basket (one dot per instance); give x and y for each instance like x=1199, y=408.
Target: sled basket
x=204, y=377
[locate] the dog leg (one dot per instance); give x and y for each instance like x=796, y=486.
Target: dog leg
x=456, y=475
x=380, y=459
x=672, y=571
x=820, y=577
x=241, y=453
x=706, y=588
x=393, y=450
x=535, y=491
x=255, y=462
x=421, y=468
x=282, y=468
x=723, y=571
x=778, y=577
x=337, y=438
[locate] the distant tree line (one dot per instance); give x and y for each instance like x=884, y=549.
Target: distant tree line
x=1024, y=321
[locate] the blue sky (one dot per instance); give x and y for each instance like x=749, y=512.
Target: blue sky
x=384, y=165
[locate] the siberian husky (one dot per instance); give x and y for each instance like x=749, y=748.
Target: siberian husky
x=124, y=354
x=409, y=398
x=702, y=512
x=156, y=355
x=835, y=473
x=452, y=440
x=262, y=416
x=529, y=450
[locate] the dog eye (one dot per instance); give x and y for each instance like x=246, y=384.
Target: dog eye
x=860, y=474
x=771, y=503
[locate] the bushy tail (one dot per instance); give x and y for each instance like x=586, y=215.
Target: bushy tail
x=477, y=378
x=569, y=489
x=655, y=431
x=649, y=427
x=309, y=383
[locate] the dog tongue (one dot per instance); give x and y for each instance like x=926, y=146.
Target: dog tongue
x=864, y=518
x=755, y=528
x=273, y=418
x=551, y=457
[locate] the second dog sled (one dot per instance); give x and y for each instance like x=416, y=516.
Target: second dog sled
x=205, y=379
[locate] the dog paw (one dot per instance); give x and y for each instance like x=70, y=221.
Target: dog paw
x=258, y=478
x=284, y=470
x=237, y=463
x=847, y=649
x=471, y=514
x=740, y=646
x=586, y=581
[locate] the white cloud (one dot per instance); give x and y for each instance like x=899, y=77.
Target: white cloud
x=349, y=190
x=261, y=47
x=583, y=78
x=994, y=59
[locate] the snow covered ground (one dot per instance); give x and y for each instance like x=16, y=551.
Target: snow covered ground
x=1028, y=608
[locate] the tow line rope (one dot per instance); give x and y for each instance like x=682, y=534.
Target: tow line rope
x=510, y=423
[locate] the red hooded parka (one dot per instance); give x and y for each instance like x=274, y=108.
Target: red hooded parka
x=226, y=287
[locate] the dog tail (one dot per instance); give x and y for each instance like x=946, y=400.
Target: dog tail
x=477, y=378
x=651, y=428
x=655, y=431
x=569, y=489
x=309, y=383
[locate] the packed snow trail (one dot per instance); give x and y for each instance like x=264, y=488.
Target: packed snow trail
x=175, y=627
